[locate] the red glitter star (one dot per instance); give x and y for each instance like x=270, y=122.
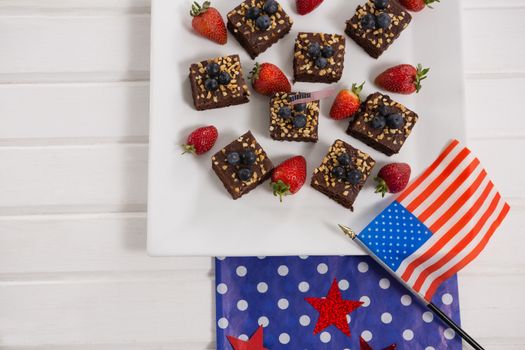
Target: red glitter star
x=254, y=343
x=365, y=346
x=333, y=310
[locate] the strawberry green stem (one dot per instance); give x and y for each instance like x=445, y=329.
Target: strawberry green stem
x=197, y=9
x=280, y=189
x=189, y=149
x=381, y=187
x=429, y=2
x=421, y=75
x=254, y=74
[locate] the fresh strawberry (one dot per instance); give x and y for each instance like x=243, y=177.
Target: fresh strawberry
x=393, y=178
x=346, y=103
x=404, y=78
x=208, y=22
x=267, y=79
x=201, y=140
x=289, y=177
x=306, y=6
x=417, y=5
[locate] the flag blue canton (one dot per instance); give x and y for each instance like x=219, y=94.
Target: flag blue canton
x=394, y=234
x=271, y=292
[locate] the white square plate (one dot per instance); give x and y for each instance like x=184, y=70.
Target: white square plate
x=189, y=211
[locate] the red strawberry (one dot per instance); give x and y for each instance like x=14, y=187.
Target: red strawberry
x=201, y=140
x=403, y=79
x=267, y=79
x=208, y=22
x=346, y=103
x=393, y=178
x=289, y=176
x=306, y=6
x=417, y=5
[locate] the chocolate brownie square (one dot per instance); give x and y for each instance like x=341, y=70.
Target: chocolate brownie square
x=343, y=173
x=319, y=57
x=242, y=165
x=375, y=29
x=257, y=25
x=382, y=123
x=293, y=123
x=218, y=82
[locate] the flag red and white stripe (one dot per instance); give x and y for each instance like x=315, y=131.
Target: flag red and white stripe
x=457, y=202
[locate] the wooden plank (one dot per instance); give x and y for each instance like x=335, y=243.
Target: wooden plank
x=73, y=48
x=177, y=307
x=483, y=106
x=73, y=113
x=492, y=306
x=88, y=178
x=486, y=50
x=98, y=242
x=201, y=345
x=87, y=7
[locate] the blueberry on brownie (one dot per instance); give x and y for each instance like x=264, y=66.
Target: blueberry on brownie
x=319, y=57
x=258, y=24
x=218, y=82
x=377, y=24
x=382, y=123
x=293, y=123
x=343, y=173
x=242, y=165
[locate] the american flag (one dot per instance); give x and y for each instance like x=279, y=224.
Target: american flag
x=440, y=223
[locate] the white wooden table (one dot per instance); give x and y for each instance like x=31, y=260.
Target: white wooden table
x=73, y=146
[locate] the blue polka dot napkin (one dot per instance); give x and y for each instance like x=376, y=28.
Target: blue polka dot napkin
x=271, y=291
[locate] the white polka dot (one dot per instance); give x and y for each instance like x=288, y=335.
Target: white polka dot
x=348, y=318
x=304, y=257
x=449, y=333
x=241, y=271
x=222, y=288
x=386, y=318
x=282, y=270
x=325, y=337
x=304, y=320
x=242, y=305
x=365, y=300
x=362, y=267
x=430, y=348
x=322, y=268
x=283, y=304
x=284, y=338
x=406, y=300
x=384, y=283
x=447, y=299
x=261, y=257
x=222, y=323
x=262, y=287
x=367, y=336
x=263, y=321
x=408, y=334
x=243, y=337
x=303, y=287
x=221, y=258
x=427, y=316
x=343, y=284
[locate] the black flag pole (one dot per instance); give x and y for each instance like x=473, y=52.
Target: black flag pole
x=432, y=307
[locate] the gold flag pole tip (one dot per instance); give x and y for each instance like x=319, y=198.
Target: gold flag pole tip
x=347, y=231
